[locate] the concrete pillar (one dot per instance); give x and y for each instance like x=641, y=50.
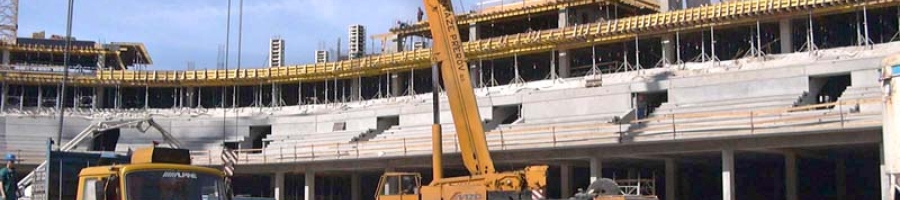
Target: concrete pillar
x=840, y=175
x=563, y=18
x=396, y=85
x=564, y=63
x=785, y=33
x=354, y=186
x=565, y=179
x=596, y=169
x=97, y=99
x=279, y=189
x=355, y=89
x=6, y=59
x=728, y=174
x=40, y=97
x=671, y=179
x=3, y=94
x=790, y=176
x=564, y=60
x=473, y=32
x=668, y=47
x=309, y=186
x=475, y=73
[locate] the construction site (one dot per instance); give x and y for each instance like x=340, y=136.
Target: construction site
x=669, y=99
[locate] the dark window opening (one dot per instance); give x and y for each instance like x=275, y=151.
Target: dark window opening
x=645, y=103
x=827, y=89
x=386, y=122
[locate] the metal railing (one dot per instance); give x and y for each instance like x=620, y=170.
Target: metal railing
x=828, y=116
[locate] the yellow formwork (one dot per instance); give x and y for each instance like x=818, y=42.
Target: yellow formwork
x=549, y=5
x=701, y=18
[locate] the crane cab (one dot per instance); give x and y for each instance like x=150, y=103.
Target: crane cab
x=399, y=186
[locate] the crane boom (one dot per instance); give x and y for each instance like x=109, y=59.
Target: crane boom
x=483, y=181
x=450, y=56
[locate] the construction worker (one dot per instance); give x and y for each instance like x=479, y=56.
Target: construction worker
x=8, y=183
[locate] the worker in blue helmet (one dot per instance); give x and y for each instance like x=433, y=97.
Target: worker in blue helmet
x=8, y=181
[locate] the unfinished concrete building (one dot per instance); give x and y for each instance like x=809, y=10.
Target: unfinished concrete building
x=775, y=99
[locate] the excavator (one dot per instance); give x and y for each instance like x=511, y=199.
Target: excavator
x=484, y=182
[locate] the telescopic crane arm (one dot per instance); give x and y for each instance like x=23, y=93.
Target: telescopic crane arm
x=450, y=57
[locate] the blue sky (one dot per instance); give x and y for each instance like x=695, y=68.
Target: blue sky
x=178, y=31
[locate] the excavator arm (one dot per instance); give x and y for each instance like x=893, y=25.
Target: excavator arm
x=450, y=56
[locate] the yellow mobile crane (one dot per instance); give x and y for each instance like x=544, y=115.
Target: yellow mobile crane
x=483, y=182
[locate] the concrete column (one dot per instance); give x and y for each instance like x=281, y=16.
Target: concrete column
x=790, y=176
x=3, y=94
x=475, y=73
x=564, y=60
x=396, y=85
x=668, y=47
x=473, y=32
x=596, y=169
x=563, y=18
x=565, y=179
x=40, y=97
x=785, y=33
x=354, y=186
x=309, y=187
x=279, y=186
x=355, y=89
x=98, y=96
x=671, y=179
x=564, y=63
x=728, y=174
x=6, y=59
x=840, y=175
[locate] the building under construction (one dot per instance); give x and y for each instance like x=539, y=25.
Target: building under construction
x=753, y=99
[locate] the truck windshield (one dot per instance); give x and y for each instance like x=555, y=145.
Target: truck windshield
x=174, y=185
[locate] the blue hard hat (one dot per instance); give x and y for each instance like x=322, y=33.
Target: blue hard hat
x=10, y=157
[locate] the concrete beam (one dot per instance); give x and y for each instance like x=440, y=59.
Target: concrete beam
x=279, y=189
x=309, y=186
x=790, y=176
x=794, y=140
x=785, y=33
x=728, y=174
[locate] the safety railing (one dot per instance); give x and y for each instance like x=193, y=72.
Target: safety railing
x=828, y=116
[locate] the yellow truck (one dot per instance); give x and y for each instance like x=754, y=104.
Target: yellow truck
x=153, y=173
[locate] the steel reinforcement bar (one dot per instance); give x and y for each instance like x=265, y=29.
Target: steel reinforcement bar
x=725, y=14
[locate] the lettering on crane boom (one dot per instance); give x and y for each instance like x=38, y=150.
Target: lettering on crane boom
x=189, y=175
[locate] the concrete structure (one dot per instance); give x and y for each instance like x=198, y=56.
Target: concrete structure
x=357, y=42
x=695, y=130
x=276, y=52
x=322, y=56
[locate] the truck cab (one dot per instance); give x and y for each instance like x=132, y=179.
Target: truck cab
x=154, y=173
